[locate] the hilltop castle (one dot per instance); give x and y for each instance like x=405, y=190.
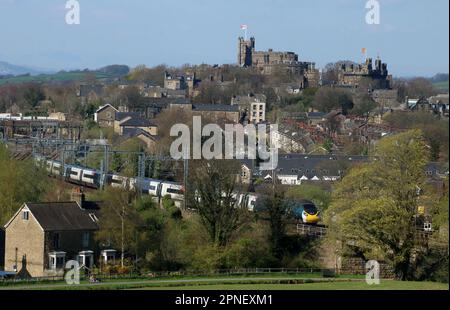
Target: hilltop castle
x=365, y=75
x=270, y=61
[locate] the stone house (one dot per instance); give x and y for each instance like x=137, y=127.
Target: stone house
x=41, y=237
x=105, y=116
x=132, y=123
x=252, y=108
x=212, y=112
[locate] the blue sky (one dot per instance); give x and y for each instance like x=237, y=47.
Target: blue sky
x=412, y=36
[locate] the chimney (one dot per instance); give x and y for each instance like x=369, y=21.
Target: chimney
x=78, y=196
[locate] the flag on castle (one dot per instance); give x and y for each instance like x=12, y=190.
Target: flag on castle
x=364, y=51
x=244, y=27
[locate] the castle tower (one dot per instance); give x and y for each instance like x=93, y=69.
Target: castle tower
x=245, y=50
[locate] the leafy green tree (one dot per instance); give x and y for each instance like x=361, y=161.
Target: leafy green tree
x=316, y=194
x=20, y=181
x=373, y=207
x=119, y=221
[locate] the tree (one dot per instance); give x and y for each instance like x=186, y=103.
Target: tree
x=119, y=220
x=327, y=99
x=213, y=193
x=364, y=104
x=33, y=95
x=419, y=87
x=273, y=204
x=316, y=194
x=19, y=182
x=373, y=207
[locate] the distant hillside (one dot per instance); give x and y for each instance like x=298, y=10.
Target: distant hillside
x=10, y=69
x=108, y=72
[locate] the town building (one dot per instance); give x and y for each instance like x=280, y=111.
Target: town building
x=131, y=124
x=41, y=237
x=294, y=169
x=252, y=108
x=105, y=115
x=212, y=112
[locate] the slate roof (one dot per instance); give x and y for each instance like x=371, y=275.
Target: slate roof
x=137, y=122
x=312, y=165
x=64, y=216
x=104, y=107
x=135, y=132
x=215, y=107
x=122, y=115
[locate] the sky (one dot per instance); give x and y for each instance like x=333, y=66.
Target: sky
x=412, y=36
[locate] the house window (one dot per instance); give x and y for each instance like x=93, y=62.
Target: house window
x=85, y=239
x=56, y=241
x=57, y=260
x=26, y=215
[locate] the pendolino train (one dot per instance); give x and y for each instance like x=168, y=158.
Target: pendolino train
x=97, y=179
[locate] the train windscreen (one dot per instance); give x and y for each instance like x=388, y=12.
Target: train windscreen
x=310, y=208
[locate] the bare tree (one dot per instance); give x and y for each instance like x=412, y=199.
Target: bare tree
x=213, y=193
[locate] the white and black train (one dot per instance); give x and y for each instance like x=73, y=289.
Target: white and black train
x=97, y=179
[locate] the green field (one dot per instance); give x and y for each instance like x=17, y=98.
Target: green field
x=385, y=285
x=441, y=86
x=57, y=77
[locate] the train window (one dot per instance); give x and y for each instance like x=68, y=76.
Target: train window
x=174, y=191
x=152, y=188
x=74, y=173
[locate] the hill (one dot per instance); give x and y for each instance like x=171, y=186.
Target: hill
x=109, y=72
x=10, y=69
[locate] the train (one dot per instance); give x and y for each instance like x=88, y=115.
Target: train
x=96, y=179
x=301, y=210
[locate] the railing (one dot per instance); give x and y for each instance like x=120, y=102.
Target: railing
x=311, y=230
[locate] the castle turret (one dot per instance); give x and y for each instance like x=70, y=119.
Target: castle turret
x=245, y=50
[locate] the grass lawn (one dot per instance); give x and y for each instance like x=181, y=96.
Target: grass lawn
x=385, y=285
x=250, y=282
